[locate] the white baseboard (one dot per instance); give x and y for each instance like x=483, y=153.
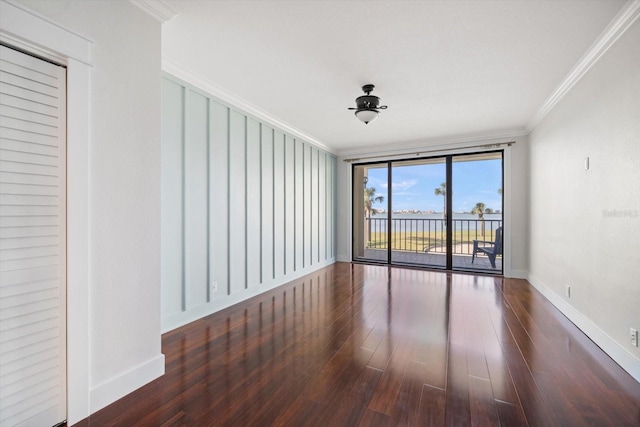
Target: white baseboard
x=518, y=274
x=118, y=387
x=618, y=353
x=192, y=314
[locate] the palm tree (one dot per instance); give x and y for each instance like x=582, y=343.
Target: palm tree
x=442, y=191
x=479, y=210
x=370, y=198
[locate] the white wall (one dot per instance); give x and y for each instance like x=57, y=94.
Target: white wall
x=123, y=192
x=244, y=205
x=585, y=225
x=515, y=197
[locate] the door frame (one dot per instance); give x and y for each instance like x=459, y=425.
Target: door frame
x=448, y=157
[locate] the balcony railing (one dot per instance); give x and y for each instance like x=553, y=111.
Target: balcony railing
x=429, y=235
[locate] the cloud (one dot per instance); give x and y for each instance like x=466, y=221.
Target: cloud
x=404, y=185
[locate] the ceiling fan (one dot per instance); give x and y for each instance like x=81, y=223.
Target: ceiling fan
x=368, y=106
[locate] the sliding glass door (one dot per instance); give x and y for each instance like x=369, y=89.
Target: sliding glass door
x=370, y=210
x=418, y=214
x=476, y=185
x=441, y=212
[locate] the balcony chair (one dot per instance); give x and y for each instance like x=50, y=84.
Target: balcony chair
x=492, y=249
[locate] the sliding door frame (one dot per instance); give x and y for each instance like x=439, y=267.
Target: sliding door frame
x=449, y=158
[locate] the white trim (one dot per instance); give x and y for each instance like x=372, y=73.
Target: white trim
x=185, y=317
x=78, y=141
x=158, y=9
x=42, y=36
x=618, y=353
x=622, y=21
x=445, y=144
x=62, y=237
x=114, y=389
x=507, y=220
x=518, y=274
x=208, y=86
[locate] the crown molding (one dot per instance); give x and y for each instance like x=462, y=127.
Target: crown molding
x=622, y=21
x=158, y=9
x=444, y=143
x=208, y=86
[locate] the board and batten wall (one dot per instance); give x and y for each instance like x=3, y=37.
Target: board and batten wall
x=245, y=206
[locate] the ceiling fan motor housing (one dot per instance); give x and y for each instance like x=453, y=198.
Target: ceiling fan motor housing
x=367, y=101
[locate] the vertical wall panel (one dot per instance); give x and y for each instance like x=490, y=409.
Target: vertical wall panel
x=314, y=206
x=172, y=146
x=243, y=204
x=328, y=206
x=253, y=237
x=219, y=199
x=267, y=205
x=196, y=199
x=290, y=199
x=322, y=206
x=278, y=201
x=331, y=209
x=308, y=205
x=237, y=202
x=299, y=201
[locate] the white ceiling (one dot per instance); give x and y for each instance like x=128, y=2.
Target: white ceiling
x=444, y=68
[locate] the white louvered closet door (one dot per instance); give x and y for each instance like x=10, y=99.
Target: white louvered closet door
x=32, y=241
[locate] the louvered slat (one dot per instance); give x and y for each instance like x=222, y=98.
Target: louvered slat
x=32, y=138
x=26, y=94
x=31, y=116
x=26, y=178
x=35, y=220
x=28, y=189
x=32, y=241
x=40, y=76
x=19, y=232
x=29, y=84
x=31, y=106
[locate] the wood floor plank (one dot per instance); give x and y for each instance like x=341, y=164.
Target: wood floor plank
x=356, y=345
x=349, y=408
x=407, y=406
x=510, y=415
x=432, y=406
x=483, y=408
x=372, y=418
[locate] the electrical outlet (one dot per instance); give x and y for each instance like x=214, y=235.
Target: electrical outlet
x=214, y=286
x=568, y=291
x=634, y=336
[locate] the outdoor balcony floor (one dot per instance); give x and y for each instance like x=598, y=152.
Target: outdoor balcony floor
x=460, y=261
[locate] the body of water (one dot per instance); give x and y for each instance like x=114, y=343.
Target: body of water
x=424, y=223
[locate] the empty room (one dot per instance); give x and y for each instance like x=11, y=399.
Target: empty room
x=319, y=213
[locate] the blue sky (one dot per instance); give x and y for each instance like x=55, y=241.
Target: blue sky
x=414, y=185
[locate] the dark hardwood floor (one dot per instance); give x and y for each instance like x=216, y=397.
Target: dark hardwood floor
x=357, y=345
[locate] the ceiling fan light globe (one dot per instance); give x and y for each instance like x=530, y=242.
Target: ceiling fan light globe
x=367, y=116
